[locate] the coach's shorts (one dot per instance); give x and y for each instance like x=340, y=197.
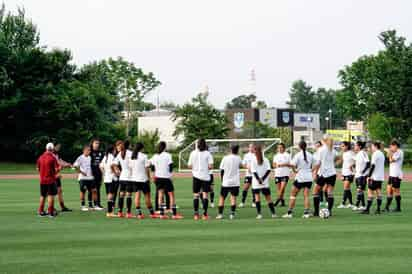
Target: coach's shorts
x=348, y=178
x=278, y=180
x=374, y=185
x=233, y=190
x=48, y=189
x=331, y=180
x=248, y=180
x=126, y=186
x=112, y=187
x=361, y=183
x=86, y=185
x=165, y=184
x=58, y=182
x=142, y=187
x=299, y=185
x=200, y=185
x=264, y=191
x=97, y=179
x=395, y=182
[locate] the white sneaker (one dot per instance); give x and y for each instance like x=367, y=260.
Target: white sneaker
x=341, y=206
x=212, y=205
x=350, y=206
x=219, y=217
x=355, y=208
x=231, y=216
x=253, y=205
x=98, y=208
x=287, y=216
x=306, y=216
x=274, y=216
x=362, y=208
x=84, y=208
x=259, y=216
x=241, y=205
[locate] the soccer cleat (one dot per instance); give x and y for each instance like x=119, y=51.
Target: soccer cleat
x=154, y=216
x=231, y=216
x=140, y=216
x=364, y=212
x=205, y=217
x=65, y=209
x=84, y=208
x=241, y=205
x=163, y=217
x=362, y=208
x=219, y=217
x=212, y=205
x=378, y=212
x=397, y=210
x=306, y=216
x=110, y=215
x=253, y=205
x=177, y=217
x=196, y=217
x=120, y=214
x=287, y=216
x=259, y=216
x=98, y=208
x=341, y=206
x=274, y=216
x=42, y=214
x=129, y=215
x=350, y=206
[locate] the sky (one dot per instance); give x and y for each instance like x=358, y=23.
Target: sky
x=191, y=44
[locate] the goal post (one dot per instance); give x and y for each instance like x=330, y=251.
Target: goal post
x=221, y=147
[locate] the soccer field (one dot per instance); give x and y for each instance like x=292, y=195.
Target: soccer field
x=88, y=242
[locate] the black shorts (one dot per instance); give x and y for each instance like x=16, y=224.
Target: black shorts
x=302, y=185
x=233, y=190
x=126, y=186
x=264, y=191
x=112, y=187
x=49, y=189
x=212, y=179
x=374, y=185
x=86, y=185
x=361, y=182
x=142, y=187
x=200, y=185
x=278, y=180
x=165, y=184
x=322, y=181
x=395, y=182
x=348, y=178
x=248, y=180
x=58, y=182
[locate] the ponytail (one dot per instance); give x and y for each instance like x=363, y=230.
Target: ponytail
x=259, y=155
x=302, y=146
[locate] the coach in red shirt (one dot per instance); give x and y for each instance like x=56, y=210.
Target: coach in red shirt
x=48, y=168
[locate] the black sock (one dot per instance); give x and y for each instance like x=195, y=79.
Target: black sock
x=212, y=196
x=89, y=197
x=370, y=201
x=196, y=205
x=379, y=202
x=90, y=203
x=290, y=211
x=271, y=207
x=138, y=210
x=331, y=200
x=388, y=202
x=345, y=196
x=174, y=210
x=316, y=204
x=233, y=209
x=98, y=194
x=205, y=205
x=162, y=208
x=350, y=197
x=109, y=206
x=129, y=204
x=306, y=211
x=277, y=202
x=398, y=202
x=244, y=195
x=363, y=199
x=258, y=208
x=253, y=198
x=220, y=209
x=121, y=203
x=283, y=203
x=358, y=199
x=325, y=193
x=151, y=210
x=321, y=196
x=82, y=202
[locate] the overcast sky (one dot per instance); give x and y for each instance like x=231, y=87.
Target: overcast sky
x=188, y=44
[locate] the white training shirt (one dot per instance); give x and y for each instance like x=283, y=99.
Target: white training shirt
x=326, y=159
x=348, y=163
x=106, y=165
x=230, y=164
x=138, y=168
x=361, y=160
x=84, y=163
x=200, y=161
x=378, y=159
x=304, y=168
x=161, y=163
x=124, y=165
x=247, y=161
x=261, y=171
x=395, y=167
x=282, y=158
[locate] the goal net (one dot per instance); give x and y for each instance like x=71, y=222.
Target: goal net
x=221, y=147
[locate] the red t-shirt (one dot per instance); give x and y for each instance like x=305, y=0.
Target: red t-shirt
x=48, y=168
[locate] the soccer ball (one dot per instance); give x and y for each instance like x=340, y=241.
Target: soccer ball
x=324, y=213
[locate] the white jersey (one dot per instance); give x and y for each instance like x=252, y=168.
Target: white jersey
x=326, y=159
x=395, y=167
x=106, y=165
x=200, y=161
x=304, y=168
x=123, y=163
x=247, y=161
x=161, y=163
x=261, y=170
x=361, y=161
x=84, y=163
x=282, y=158
x=138, y=168
x=378, y=159
x=230, y=164
x=348, y=163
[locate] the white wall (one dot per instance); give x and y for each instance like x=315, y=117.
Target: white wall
x=163, y=124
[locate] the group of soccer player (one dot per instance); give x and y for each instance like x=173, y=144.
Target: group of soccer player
x=127, y=172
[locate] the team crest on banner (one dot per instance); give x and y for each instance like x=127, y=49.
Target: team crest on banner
x=285, y=117
x=238, y=119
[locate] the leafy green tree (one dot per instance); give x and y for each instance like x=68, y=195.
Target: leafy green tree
x=199, y=119
x=382, y=128
x=150, y=139
x=245, y=101
x=302, y=97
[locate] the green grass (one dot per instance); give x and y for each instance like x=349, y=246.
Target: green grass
x=87, y=242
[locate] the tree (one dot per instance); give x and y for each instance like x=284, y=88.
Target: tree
x=382, y=128
x=302, y=97
x=260, y=130
x=199, y=119
x=245, y=101
x=169, y=105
